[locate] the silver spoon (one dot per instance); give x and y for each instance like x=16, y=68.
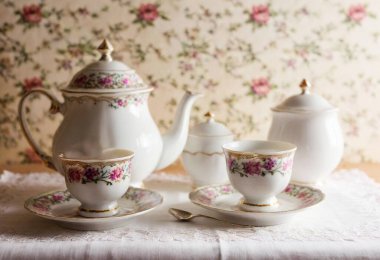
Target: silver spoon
x=183, y=215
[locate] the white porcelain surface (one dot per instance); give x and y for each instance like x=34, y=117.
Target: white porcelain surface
x=312, y=124
x=259, y=170
x=203, y=157
x=61, y=207
x=98, y=183
x=106, y=106
x=225, y=200
x=210, y=127
x=305, y=102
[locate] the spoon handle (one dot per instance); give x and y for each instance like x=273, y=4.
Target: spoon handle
x=235, y=224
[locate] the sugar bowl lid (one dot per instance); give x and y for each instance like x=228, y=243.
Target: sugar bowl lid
x=304, y=102
x=210, y=128
x=105, y=75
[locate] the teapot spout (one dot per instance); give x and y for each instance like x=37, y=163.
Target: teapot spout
x=175, y=139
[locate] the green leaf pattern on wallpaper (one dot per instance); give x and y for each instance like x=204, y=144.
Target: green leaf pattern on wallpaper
x=246, y=56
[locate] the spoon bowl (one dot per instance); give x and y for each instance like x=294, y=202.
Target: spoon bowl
x=183, y=215
x=180, y=214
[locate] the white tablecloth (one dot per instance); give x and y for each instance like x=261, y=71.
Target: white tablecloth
x=345, y=225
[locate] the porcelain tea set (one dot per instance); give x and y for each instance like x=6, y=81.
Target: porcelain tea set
x=108, y=143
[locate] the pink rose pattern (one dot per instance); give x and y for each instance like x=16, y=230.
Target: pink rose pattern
x=31, y=83
x=136, y=195
x=32, y=14
x=105, y=81
x=75, y=174
x=250, y=167
x=108, y=174
x=102, y=80
x=136, y=100
x=260, y=86
x=357, y=13
x=125, y=81
x=259, y=167
x=43, y=204
x=57, y=197
x=116, y=174
x=287, y=164
x=260, y=14
x=147, y=14
x=305, y=194
x=208, y=195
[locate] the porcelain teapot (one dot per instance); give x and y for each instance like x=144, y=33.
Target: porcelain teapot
x=105, y=107
x=311, y=123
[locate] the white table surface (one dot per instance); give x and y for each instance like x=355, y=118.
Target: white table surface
x=345, y=225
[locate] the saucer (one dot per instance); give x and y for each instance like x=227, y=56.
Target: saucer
x=62, y=208
x=225, y=200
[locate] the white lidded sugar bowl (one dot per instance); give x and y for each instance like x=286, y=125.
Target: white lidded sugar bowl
x=203, y=156
x=310, y=122
x=106, y=107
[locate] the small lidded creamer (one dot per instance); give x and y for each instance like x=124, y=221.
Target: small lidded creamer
x=203, y=156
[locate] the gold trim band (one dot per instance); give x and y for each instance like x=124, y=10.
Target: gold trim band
x=251, y=155
x=95, y=163
x=99, y=98
x=258, y=205
x=97, y=211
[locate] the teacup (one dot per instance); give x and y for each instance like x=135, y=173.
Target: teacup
x=98, y=182
x=259, y=170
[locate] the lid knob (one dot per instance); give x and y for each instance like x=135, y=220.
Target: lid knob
x=305, y=86
x=210, y=116
x=210, y=128
x=105, y=48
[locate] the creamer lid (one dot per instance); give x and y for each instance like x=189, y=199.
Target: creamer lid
x=210, y=128
x=304, y=102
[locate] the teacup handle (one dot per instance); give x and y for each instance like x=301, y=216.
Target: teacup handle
x=55, y=107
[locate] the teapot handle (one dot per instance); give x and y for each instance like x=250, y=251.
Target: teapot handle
x=55, y=107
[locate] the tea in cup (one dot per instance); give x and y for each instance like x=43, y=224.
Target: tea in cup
x=259, y=170
x=98, y=182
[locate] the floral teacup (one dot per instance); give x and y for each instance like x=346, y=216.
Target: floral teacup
x=98, y=182
x=259, y=170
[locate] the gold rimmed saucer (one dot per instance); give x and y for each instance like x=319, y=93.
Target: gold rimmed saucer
x=61, y=207
x=225, y=200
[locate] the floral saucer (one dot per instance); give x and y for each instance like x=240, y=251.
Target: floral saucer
x=62, y=208
x=225, y=200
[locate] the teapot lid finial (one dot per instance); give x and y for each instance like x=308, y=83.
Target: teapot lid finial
x=305, y=102
x=105, y=48
x=210, y=116
x=305, y=86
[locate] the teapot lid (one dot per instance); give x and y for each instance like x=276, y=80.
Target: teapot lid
x=304, y=102
x=210, y=128
x=105, y=74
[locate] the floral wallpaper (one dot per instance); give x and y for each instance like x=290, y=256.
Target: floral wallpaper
x=246, y=56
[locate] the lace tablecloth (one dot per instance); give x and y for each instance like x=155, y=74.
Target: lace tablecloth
x=345, y=225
